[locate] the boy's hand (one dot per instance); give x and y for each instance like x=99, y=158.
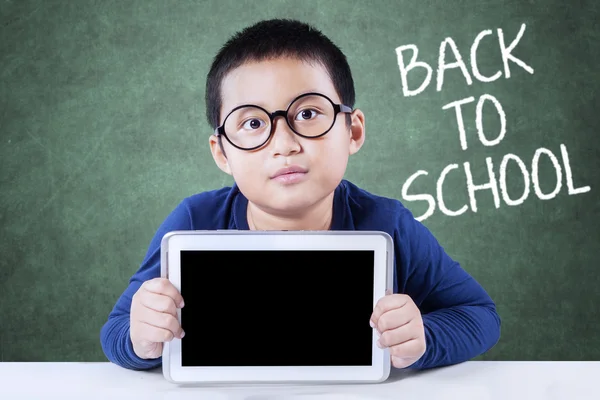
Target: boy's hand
x=153, y=318
x=400, y=326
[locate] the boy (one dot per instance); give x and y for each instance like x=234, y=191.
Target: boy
x=288, y=168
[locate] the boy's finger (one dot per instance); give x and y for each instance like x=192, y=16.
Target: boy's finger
x=161, y=320
x=386, y=304
x=411, y=348
x=394, y=319
x=156, y=334
x=160, y=303
x=401, y=334
x=165, y=287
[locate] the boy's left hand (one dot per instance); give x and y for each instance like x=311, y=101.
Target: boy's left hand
x=400, y=326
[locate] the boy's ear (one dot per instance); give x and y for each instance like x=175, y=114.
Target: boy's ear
x=357, y=131
x=218, y=154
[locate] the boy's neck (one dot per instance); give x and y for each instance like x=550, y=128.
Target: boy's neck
x=318, y=217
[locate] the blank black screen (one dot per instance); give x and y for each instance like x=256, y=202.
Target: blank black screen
x=277, y=308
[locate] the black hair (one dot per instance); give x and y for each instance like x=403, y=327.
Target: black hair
x=276, y=38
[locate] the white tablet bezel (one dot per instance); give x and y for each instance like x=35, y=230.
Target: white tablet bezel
x=380, y=242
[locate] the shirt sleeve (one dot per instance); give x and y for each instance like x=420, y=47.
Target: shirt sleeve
x=460, y=318
x=114, y=335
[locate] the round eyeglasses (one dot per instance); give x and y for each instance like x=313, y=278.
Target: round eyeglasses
x=310, y=115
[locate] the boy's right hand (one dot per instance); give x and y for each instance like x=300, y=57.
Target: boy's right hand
x=153, y=317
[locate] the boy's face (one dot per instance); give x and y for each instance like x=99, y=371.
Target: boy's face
x=272, y=85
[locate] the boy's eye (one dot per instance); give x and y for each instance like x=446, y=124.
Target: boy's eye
x=253, y=123
x=306, y=114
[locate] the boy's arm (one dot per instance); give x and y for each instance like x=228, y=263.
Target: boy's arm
x=114, y=335
x=459, y=317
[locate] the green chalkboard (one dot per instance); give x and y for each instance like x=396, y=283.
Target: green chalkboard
x=102, y=134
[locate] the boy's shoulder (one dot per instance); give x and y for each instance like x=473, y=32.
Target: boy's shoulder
x=373, y=211
x=211, y=197
x=211, y=209
x=371, y=202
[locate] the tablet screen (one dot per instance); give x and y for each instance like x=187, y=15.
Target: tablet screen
x=277, y=308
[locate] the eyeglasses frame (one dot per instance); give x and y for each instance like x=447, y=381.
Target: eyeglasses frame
x=337, y=108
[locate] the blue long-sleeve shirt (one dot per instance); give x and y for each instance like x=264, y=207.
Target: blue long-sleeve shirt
x=460, y=318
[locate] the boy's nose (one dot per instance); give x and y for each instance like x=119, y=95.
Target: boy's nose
x=284, y=140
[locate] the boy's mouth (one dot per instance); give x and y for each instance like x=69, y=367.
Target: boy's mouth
x=290, y=174
x=292, y=169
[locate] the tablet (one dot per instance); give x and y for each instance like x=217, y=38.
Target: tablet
x=277, y=306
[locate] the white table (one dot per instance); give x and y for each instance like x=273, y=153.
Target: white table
x=475, y=380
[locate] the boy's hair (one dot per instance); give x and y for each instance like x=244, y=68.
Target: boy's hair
x=272, y=39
